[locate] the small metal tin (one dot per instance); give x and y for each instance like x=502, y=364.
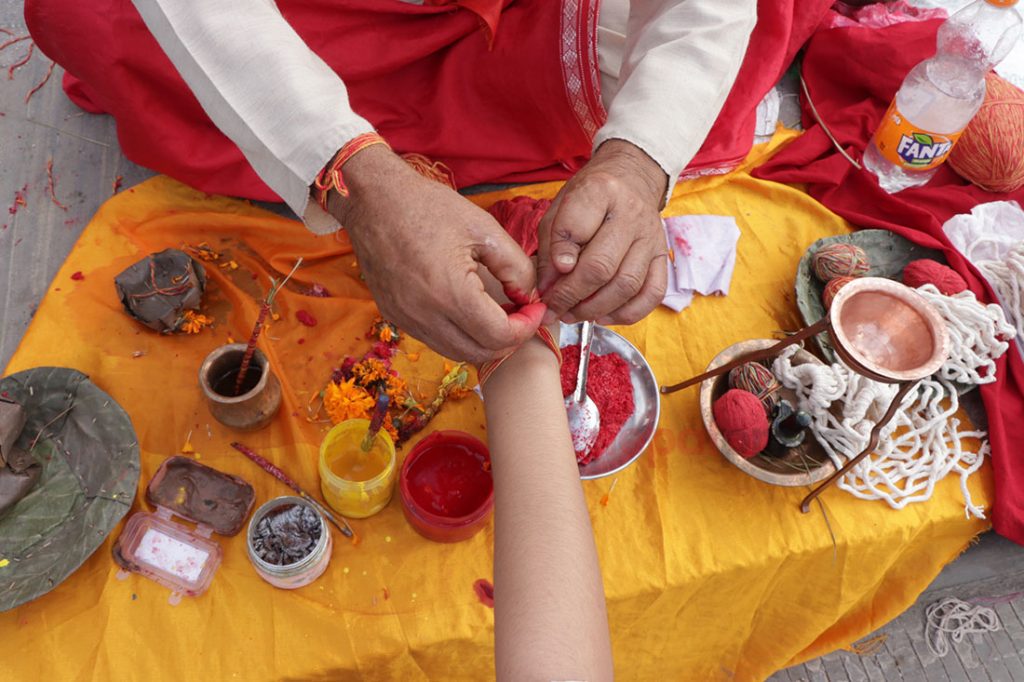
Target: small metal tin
x=305, y=570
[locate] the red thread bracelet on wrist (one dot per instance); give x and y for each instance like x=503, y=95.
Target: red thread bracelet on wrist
x=331, y=178
x=489, y=367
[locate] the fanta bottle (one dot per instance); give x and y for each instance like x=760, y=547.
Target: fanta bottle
x=941, y=95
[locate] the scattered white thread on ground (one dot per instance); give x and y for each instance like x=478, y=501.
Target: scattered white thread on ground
x=953, y=619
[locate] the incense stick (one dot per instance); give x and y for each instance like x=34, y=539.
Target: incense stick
x=264, y=464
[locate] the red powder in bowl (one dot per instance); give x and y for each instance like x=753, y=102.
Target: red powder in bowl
x=608, y=385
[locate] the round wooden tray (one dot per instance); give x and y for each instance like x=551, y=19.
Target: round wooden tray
x=803, y=465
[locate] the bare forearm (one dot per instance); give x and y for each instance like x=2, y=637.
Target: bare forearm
x=550, y=619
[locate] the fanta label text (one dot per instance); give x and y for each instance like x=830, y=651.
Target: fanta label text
x=911, y=148
x=921, y=149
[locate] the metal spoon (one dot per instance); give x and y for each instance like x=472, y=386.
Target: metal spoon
x=584, y=418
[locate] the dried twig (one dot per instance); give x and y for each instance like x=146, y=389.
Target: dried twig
x=47, y=425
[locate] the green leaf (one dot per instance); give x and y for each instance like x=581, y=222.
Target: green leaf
x=924, y=138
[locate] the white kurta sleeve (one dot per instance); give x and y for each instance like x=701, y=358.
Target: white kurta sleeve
x=681, y=58
x=263, y=87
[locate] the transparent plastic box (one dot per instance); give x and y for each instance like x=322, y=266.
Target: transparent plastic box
x=181, y=558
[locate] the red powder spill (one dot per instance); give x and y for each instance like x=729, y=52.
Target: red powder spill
x=683, y=245
x=301, y=341
x=484, y=592
x=306, y=318
x=116, y=184
x=608, y=385
x=387, y=594
x=78, y=276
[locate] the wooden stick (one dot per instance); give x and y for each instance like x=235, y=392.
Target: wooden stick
x=274, y=471
x=250, y=348
x=816, y=328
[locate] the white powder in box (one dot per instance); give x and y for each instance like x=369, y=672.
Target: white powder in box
x=174, y=556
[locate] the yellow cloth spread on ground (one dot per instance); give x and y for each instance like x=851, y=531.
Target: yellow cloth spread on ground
x=709, y=574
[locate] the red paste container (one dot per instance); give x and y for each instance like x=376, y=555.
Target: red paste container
x=446, y=486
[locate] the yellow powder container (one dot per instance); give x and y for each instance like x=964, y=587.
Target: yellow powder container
x=356, y=484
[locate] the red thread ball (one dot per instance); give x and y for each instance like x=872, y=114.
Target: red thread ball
x=927, y=271
x=840, y=260
x=832, y=288
x=742, y=421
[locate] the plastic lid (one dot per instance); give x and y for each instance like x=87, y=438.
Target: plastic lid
x=200, y=494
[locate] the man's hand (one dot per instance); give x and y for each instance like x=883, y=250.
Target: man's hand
x=602, y=248
x=421, y=247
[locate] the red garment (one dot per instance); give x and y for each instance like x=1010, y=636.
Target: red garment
x=783, y=26
x=524, y=109
x=521, y=217
x=852, y=75
x=422, y=74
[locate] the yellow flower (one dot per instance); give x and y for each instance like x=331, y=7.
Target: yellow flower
x=194, y=322
x=347, y=401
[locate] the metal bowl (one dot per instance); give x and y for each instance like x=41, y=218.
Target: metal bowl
x=805, y=464
x=637, y=432
x=887, y=331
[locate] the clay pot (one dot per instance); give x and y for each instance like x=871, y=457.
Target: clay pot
x=261, y=394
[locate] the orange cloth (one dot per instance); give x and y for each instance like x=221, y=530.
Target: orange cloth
x=709, y=574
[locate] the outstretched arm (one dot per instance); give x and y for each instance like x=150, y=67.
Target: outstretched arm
x=550, y=619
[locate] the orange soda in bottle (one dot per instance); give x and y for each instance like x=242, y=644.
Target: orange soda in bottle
x=941, y=95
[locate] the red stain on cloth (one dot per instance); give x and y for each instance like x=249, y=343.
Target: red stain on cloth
x=484, y=592
x=609, y=386
x=306, y=318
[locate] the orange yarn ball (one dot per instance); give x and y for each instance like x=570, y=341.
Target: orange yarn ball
x=990, y=153
x=832, y=288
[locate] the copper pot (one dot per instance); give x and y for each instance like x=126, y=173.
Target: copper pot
x=261, y=393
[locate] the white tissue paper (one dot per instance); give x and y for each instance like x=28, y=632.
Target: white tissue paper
x=704, y=256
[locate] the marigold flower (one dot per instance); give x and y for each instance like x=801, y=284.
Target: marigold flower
x=193, y=322
x=346, y=400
